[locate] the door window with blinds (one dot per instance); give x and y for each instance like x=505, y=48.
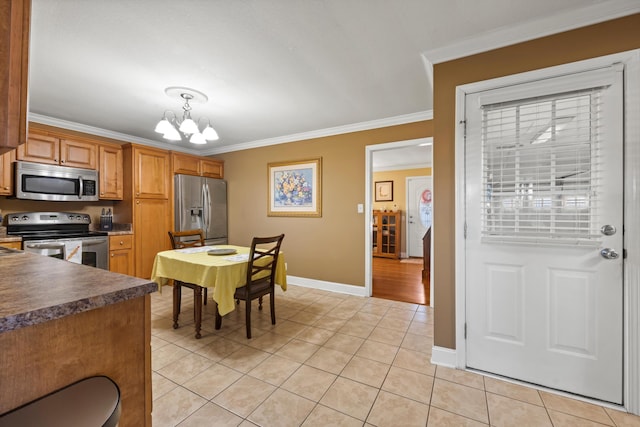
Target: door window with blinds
x=541, y=165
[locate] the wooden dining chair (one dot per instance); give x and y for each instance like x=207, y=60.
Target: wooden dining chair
x=180, y=240
x=260, y=281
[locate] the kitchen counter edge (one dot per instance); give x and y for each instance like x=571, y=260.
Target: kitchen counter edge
x=21, y=308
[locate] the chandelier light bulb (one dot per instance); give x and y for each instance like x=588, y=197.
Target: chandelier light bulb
x=197, y=138
x=163, y=126
x=188, y=126
x=172, y=134
x=210, y=134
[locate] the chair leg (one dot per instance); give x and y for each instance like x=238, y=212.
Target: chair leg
x=260, y=303
x=272, y=301
x=218, y=317
x=197, y=309
x=177, y=296
x=205, y=296
x=248, y=317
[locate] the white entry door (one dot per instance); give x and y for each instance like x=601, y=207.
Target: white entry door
x=419, y=212
x=543, y=193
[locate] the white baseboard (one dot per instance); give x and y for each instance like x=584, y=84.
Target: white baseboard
x=327, y=286
x=443, y=356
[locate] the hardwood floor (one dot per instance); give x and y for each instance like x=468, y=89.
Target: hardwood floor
x=399, y=281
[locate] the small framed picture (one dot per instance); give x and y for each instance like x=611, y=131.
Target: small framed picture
x=384, y=191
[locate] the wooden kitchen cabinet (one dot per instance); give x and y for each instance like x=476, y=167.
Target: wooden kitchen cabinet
x=151, y=222
x=78, y=154
x=121, y=256
x=42, y=148
x=151, y=173
x=111, y=172
x=12, y=245
x=198, y=166
x=6, y=173
x=14, y=70
x=184, y=164
x=213, y=168
x=386, y=234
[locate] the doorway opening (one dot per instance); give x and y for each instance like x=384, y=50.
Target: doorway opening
x=394, y=270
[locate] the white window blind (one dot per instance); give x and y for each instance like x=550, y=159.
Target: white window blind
x=541, y=169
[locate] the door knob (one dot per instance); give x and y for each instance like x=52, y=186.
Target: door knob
x=609, y=253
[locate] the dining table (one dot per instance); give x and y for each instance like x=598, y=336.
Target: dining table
x=220, y=269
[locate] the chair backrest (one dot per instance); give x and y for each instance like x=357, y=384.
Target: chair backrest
x=263, y=258
x=186, y=239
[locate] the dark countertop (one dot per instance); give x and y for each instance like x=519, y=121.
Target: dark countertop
x=36, y=289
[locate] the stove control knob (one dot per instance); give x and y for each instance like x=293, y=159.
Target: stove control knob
x=25, y=217
x=15, y=218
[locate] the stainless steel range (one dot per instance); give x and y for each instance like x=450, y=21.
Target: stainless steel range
x=63, y=235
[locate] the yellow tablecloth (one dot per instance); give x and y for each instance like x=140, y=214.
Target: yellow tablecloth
x=211, y=271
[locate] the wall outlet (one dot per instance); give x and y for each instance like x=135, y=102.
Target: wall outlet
x=360, y=208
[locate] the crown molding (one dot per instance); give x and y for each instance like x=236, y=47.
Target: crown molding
x=558, y=23
x=374, y=124
x=355, y=127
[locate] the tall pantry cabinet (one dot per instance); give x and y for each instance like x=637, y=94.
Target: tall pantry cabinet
x=146, y=203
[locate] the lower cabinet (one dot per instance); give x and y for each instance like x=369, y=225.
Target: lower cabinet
x=151, y=222
x=12, y=245
x=121, y=254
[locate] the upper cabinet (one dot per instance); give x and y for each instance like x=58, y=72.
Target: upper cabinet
x=199, y=166
x=151, y=173
x=111, y=173
x=14, y=67
x=182, y=163
x=41, y=148
x=212, y=168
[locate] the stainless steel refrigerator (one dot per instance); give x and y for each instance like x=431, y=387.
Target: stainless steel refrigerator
x=201, y=203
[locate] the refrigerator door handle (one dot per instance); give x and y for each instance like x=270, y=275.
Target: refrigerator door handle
x=208, y=206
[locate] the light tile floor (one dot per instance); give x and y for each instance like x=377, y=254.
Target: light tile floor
x=333, y=360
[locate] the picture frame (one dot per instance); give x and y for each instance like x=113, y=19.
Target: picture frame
x=384, y=191
x=295, y=188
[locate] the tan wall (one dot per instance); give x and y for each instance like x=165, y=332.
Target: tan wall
x=330, y=248
x=597, y=40
x=399, y=178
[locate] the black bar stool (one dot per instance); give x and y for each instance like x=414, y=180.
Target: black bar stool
x=94, y=401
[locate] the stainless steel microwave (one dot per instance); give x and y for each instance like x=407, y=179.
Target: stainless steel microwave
x=36, y=181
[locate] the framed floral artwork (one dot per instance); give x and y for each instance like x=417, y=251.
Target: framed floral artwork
x=295, y=188
x=384, y=191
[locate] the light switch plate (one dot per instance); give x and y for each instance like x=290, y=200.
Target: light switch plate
x=360, y=208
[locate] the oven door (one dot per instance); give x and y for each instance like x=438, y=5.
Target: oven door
x=52, y=248
x=95, y=250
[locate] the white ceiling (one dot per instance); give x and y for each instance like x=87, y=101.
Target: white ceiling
x=274, y=70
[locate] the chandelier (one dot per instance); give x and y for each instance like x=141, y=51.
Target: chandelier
x=173, y=129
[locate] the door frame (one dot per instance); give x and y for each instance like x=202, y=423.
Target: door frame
x=631, y=208
x=368, y=206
